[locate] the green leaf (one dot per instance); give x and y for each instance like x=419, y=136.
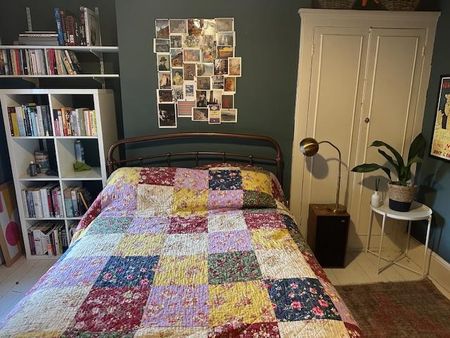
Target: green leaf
x=369, y=167
x=396, y=154
x=417, y=149
x=390, y=160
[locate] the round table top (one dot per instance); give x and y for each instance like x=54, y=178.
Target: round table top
x=417, y=212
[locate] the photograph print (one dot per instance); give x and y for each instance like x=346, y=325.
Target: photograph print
x=214, y=116
x=189, y=71
x=227, y=101
x=235, y=66
x=203, y=83
x=189, y=90
x=177, y=93
x=224, y=24
x=163, y=61
x=165, y=96
x=176, y=41
x=225, y=39
x=178, y=26
x=195, y=27
x=229, y=84
x=184, y=108
x=162, y=28
x=220, y=67
x=225, y=52
x=205, y=69
x=176, y=57
x=201, y=98
x=164, y=80
x=217, y=81
x=161, y=45
x=440, y=145
x=167, y=115
x=191, y=55
x=229, y=115
x=177, y=77
x=209, y=27
x=200, y=114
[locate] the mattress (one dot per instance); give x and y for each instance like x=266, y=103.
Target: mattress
x=175, y=252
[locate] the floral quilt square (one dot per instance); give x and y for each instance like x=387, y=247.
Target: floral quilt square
x=172, y=332
x=154, y=199
x=186, y=200
x=149, y=225
x=189, y=224
x=256, y=181
x=157, y=176
x=258, y=199
x=140, y=245
x=193, y=179
x=233, y=267
x=242, y=330
x=181, y=306
x=116, y=198
x=279, y=263
x=95, y=245
x=273, y=239
x=124, y=176
x=300, y=299
x=127, y=272
x=226, y=221
x=82, y=271
x=313, y=328
x=110, y=310
x=243, y=302
x=225, y=199
x=185, y=244
x=225, y=179
x=109, y=225
x=257, y=220
x=226, y=241
x=181, y=270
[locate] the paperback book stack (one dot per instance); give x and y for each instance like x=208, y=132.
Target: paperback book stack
x=77, y=30
x=48, y=239
x=75, y=122
x=30, y=120
x=43, y=201
x=76, y=201
x=38, y=38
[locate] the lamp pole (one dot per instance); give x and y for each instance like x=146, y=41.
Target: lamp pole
x=336, y=207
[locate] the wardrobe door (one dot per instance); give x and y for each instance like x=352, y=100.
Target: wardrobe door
x=338, y=59
x=390, y=109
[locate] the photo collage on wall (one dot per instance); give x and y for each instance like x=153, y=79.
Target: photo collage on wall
x=197, y=70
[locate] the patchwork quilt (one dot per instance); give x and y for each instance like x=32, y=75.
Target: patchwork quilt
x=174, y=252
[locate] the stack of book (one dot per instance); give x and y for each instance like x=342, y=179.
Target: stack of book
x=30, y=120
x=75, y=122
x=38, y=38
x=43, y=201
x=76, y=201
x=48, y=239
x=73, y=30
x=38, y=62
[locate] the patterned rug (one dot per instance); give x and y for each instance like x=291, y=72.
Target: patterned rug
x=406, y=309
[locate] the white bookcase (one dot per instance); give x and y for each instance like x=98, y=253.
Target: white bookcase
x=62, y=148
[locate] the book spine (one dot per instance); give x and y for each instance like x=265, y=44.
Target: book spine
x=73, y=194
x=44, y=202
x=94, y=122
x=25, y=204
x=37, y=203
x=30, y=204
x=31, y=241
x=40, y=121
x=68, y=203
x=82, y=28
x=59, y=26
x=12, y=119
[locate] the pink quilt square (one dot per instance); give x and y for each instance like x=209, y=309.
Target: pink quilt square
x=145, y=225
x=225, y=199
x=193, y=179
x=258, y=220
x=186, y=225
x=226, y=241
x=157, y=176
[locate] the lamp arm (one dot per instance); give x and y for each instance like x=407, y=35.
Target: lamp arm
x=339, y=174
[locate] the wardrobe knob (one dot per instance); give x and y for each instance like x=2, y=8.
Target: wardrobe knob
x=367, y=120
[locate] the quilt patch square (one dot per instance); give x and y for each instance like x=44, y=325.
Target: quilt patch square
x=225, y=179
x=148, y=225
x=130, y=271
x=313, y=328
x=182, y=306
x=172, y=332
x=225, y=199
x=272, y=239
x=192, y=179
x=185, y=244
x=157, y=176
x=109, y=225
x=256, y=181
x=231, y=267
x=82, y=271
x=154, y=199
x=226, y=221
x=300, y=299
x=226, y=241
x=189, y=224
x=124, y=176
x=119, y=198
x=181, y=270
x=189, y=201
x=243, y=302
x=116, y=310
x=95, y=245
x=241, y=330
x=279, y=263
x=140, y=245
x=258, y=199
x=258, y=220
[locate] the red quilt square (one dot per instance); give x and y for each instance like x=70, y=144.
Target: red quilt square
x=111, y=310
x=157, y=176
x=258, y=220
x=242, y=330
x=188, y=225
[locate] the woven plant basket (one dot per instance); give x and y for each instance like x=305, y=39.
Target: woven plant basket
x=335, y=4
x=401, y=197
x=400, y=5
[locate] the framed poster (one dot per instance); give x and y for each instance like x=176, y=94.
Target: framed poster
x=440, y=145
x=10, y=239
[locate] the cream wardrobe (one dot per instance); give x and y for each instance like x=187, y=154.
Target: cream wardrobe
x=363, y=75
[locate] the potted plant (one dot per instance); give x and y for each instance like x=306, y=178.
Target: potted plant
x=401, y=192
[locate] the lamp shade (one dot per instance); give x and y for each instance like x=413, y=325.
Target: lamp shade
x=309, y=146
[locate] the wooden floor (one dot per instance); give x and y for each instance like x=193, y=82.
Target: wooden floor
x=361, y=268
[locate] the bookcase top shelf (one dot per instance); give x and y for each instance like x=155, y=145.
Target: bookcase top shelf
x=62, y=76
x=87, y=49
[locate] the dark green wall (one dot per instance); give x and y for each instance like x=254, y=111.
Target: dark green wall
x=267, y=35
x=434, y=175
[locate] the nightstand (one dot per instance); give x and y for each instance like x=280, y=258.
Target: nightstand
x=327, y=234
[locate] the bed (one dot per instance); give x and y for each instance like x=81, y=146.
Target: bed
x=209, y=251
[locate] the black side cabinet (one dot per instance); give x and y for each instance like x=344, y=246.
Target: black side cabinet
x=327, y=235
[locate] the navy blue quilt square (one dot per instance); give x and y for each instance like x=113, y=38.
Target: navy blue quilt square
x=225, y=180
x=128, y=271
x=300, y=299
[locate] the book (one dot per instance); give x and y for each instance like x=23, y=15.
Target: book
x=92, y=27
x=59, y=26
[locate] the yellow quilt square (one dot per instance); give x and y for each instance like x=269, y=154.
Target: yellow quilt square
x=279, y=263
x=273, y=239
x=242, y=302
x=141, y=245
x=125, y=175
x=154, y=199
x=181, y=270
x=313, y=328
x=256, y=181
x=187, y=200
